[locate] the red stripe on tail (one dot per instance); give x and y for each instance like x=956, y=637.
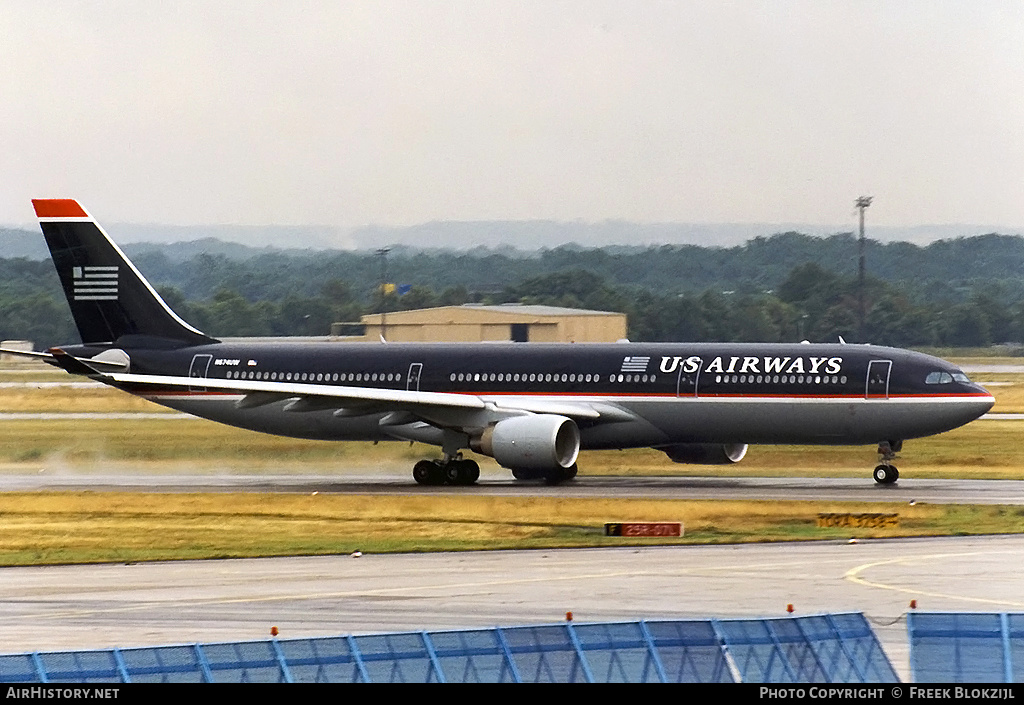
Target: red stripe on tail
x=58, y=208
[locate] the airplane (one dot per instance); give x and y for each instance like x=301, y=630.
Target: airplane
x=530, y=406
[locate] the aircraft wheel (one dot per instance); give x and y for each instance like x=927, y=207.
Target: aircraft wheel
x=461, y=472
x=428, y=472
x=421, y=472
x=470, y=472
x=557, y=477
x=523, y=474
x=886, y=474
x=554, y=478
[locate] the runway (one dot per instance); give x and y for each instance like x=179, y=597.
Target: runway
x=397, y=480
x=77, y=607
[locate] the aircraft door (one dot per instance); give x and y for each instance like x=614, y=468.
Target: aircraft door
x=415, y=370
x=687, y=383
x=199, y=369
x=877, y=383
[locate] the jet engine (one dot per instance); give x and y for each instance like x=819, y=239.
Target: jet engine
x=705, y=453
x=538, y=442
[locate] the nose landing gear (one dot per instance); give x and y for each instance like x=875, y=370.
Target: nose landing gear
x=886, y=473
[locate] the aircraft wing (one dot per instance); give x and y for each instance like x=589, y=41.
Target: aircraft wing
x=351, y=401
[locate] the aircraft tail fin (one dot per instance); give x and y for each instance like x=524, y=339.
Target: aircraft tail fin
x=109, y=298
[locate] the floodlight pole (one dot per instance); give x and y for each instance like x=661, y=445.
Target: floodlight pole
x=862, y=204
x=383, y=254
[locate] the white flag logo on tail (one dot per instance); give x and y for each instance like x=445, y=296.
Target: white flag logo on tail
x=635, y=364
x=95, y=283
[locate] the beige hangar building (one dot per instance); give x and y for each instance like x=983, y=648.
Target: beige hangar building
x=505, y=322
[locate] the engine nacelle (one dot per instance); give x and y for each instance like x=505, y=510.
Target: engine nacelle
x=539, y=442
x=705, y=453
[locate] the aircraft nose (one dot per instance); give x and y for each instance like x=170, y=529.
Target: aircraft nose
x=980, y=405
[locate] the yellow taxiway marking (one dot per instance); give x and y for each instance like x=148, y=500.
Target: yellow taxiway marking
x=853, y=575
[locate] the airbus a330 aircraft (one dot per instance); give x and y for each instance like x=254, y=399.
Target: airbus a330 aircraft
x=530, y=406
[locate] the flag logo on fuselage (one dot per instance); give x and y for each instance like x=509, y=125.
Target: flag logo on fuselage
x=635, y=364
x=95, y=283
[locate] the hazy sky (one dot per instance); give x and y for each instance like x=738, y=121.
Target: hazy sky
x=395, y=113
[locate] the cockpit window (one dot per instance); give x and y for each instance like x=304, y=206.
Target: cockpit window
x=946, y=378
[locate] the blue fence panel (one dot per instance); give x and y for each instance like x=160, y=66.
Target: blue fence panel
x=816, y=649
x=798, y=650
x=544, y=654
x=474, y=657
x=164, y=664
x=397, y=658
x=619, y=653
x=245, y=662
x=831, y=657
x=966, y=647
x=690, y=651
x=327, y=660
x=81, y=667
x=867, y=661
x=1015, y=635
x=20, y=668
x=754, y=651
x=807, y=649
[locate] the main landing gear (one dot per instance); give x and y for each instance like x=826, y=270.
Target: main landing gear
x=886, y=473
x=450, y=471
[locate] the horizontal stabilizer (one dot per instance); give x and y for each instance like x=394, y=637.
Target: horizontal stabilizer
x=75, y=365
x=41, y=356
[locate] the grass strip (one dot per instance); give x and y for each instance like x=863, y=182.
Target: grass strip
x=85, y=527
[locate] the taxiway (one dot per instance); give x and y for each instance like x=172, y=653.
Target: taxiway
x=102, y=606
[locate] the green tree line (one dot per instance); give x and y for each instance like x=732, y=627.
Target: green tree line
x=788, y=287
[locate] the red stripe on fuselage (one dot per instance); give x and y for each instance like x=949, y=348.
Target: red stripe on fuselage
x=175, y=392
